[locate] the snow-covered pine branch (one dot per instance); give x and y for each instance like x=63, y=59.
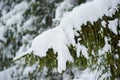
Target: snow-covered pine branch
x=91, y=16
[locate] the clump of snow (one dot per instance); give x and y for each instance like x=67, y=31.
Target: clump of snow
x=113, y=25
x=51, y=39
x=83, y=50
x=106, y=48
x=62, y=36
x=103, y=24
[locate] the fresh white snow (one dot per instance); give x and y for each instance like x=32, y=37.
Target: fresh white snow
x=62, y=36
x=113, y=25
x=103, y=24
x=83, y=49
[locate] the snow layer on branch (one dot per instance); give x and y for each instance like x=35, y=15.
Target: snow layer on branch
x=62, y=36
x=55, y=39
